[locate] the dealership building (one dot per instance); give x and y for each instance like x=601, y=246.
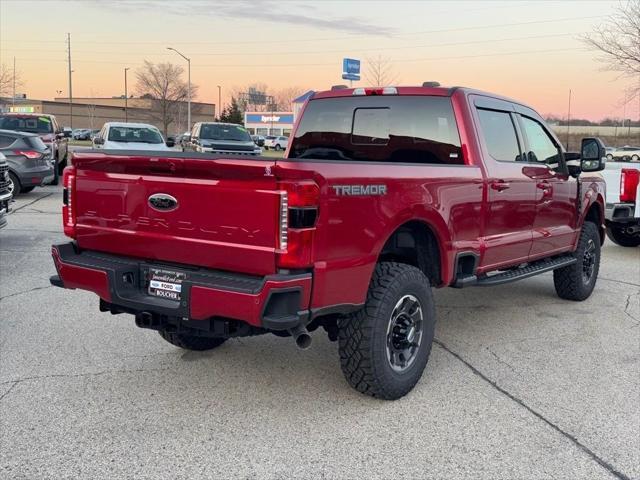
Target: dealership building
x=269, y=123
x=275, y=123
x=93, y=112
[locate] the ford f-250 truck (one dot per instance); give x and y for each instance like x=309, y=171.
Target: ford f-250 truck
x=622, y=210
x=382, y=194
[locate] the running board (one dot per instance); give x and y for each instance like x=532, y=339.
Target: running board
x=535, y=268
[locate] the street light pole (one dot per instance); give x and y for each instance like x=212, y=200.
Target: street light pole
x=219, y=102
x=70, y=89
x=126, y=96
x=188, y=85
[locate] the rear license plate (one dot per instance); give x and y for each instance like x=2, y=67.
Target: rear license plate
x=166, y=283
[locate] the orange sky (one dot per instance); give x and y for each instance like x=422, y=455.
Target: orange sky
x=524, y=49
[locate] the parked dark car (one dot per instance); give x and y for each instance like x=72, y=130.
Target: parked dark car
x=29, y=159
x=47, y=128
x=216, y=137
x=5, y=193
x=258, y=140
x=81, y=134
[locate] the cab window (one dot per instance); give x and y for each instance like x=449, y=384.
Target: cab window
x=499, y=134
x=540, y=146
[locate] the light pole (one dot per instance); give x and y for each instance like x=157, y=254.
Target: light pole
x=219, y=102
x=188, y=86
x=126, y=96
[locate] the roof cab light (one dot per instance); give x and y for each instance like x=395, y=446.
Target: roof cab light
x=375, y=91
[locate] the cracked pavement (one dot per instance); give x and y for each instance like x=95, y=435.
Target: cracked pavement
x=520, y=384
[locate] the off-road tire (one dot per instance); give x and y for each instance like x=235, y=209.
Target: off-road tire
x=190, y=342
x=16, y=185
x=569, y=281
x=363, y=335
x=620, y=238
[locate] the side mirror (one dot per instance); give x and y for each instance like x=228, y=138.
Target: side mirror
x=171, y=142
x=593, y=155
x=66, y=132
x=98, y=140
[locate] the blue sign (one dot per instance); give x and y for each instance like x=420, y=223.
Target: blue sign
x=268, y=118
x=350, y=65
x=350, y=76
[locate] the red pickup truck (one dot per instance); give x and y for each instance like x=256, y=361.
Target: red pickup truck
x=382, y=194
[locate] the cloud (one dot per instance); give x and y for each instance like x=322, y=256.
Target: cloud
x=256, y=10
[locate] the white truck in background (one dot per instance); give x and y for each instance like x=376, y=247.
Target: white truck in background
x=622, y=210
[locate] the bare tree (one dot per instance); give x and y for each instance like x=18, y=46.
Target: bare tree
x=162, y=82
x=285, y=96
x=618, y=40
x=7, y=80
x=380, y=72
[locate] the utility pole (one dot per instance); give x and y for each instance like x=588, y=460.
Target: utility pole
x=70, y=89
x=568, y=119
x=126, y=96
x=219, y=102
x=188, y=86
x=13, y=100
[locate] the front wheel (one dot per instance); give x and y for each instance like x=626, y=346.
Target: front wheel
x=609, y=157
x=191, y=342
x=619, y=236
x=635, y=158
x=577, y=281
x=278, y=148
x=385, y=346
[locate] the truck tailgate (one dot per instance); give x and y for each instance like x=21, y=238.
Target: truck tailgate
x=216, y=213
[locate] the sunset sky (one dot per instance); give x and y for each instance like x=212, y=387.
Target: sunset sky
x=524, y=49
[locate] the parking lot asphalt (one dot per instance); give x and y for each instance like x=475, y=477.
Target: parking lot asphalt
x=520, y=384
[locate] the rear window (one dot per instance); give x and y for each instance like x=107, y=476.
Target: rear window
x=235, y=133
x=134, y=135
x=403, y=129
x=36, y=142
x=26, y=124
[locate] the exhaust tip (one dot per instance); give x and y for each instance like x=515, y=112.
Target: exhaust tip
x=303, y=341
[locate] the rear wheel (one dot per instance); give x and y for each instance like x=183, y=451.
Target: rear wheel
x=385, y=346
x=618, y=236
x=191, y=342
x=278, y=147
x=14, y=185
x=635, y=158
x=577, y=281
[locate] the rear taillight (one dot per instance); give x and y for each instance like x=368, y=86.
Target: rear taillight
x=628, y=184
x=69, y=202
x=28, y=153
x=299, y=202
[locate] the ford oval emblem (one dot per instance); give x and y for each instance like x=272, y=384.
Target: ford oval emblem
x=163, y=202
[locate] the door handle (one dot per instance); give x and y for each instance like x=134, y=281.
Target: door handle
x=499, y=185
x=544, y=185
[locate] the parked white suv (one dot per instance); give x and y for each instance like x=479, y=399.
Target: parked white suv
x=626, y=154
x=277, y=143
x=131, y=136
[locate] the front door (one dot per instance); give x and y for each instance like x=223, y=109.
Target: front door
x=556, y=192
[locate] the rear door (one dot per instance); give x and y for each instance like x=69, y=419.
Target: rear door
x=554, y=226
x=511, y=208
